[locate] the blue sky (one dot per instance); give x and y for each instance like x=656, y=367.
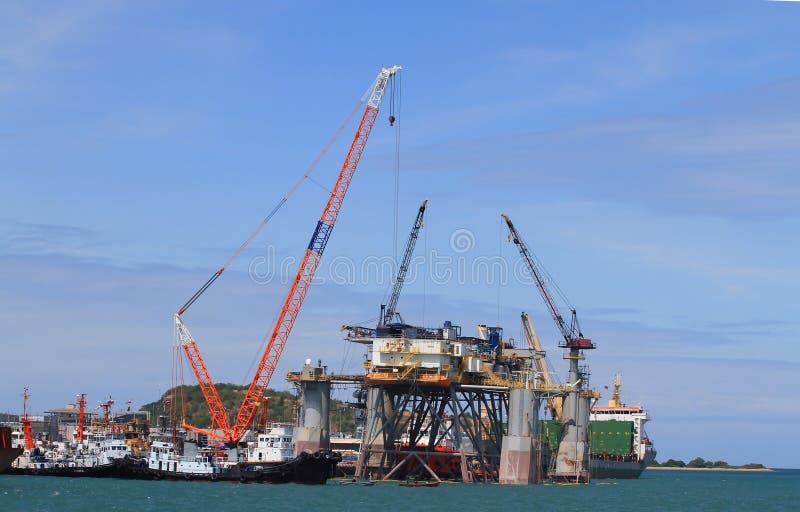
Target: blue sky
x=647, y=151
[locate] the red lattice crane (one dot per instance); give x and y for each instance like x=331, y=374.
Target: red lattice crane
x=219, y=416
x=106, y=408
x=81, y=412
x=26, y=421
x=297, y=293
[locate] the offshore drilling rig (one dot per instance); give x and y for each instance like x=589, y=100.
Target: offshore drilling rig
x=440, y=404
x=436, y=403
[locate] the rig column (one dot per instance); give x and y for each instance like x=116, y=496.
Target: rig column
x=572, y=463
x=518, y=461
x=378, y=432
x=313, y=433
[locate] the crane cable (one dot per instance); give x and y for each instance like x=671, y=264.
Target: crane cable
x=277, y=207
x=499, y=275
x=395, y=105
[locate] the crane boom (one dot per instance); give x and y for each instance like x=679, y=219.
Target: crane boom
x=391, y=307
x=219, y=417
x=573, y=337
x=554, y=404
x=311, y=258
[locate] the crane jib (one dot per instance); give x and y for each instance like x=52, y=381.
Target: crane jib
x=573, y=338
x=390, y=311
x=320, y=238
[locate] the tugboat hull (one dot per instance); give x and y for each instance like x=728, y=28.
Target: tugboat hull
x=50, y=469
x=307, y=468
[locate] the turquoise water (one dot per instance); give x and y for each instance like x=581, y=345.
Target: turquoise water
x=656, y=490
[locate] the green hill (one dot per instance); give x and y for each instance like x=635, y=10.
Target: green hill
x=282, y=406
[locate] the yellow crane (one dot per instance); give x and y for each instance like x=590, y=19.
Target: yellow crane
x=554, y=404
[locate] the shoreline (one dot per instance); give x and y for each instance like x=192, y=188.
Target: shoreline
x=757, y=470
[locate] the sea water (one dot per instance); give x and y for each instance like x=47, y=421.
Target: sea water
x=655, y=490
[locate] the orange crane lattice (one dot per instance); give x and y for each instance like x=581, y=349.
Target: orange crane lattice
x=297, y=292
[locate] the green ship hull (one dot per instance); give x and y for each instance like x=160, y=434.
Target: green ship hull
x=612, y=451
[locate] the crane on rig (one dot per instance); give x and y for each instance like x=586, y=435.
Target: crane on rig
x=572, y=462
x=389, y=310
x=232, y=434
x=554, y=404
x=573, y=337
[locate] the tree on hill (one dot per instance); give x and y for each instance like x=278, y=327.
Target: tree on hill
x=282, y=406
x=699, y=462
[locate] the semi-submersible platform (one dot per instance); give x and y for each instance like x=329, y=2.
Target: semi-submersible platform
x=436, y=404
x=434, y=401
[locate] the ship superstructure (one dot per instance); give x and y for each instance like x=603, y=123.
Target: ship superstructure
x=276, y=444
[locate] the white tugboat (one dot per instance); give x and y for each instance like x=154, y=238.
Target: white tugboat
x=276, y=444
x=99, y=457
x=270, y=459
x=194, y=464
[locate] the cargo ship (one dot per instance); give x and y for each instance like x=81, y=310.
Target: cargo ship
x=8, y=452
x=620, y=445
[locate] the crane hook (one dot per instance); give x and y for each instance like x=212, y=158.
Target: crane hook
x=391, y=120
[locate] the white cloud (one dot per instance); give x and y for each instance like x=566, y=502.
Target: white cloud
x=737, y=161
x=47, y=239
x=32, y=37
